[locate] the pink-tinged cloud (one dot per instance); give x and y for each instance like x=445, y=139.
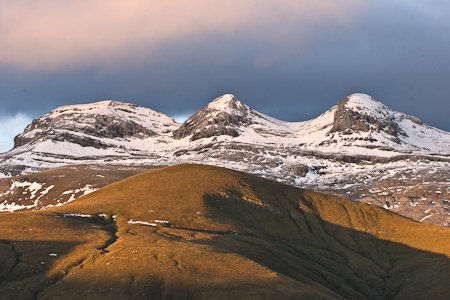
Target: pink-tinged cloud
x=55, y=34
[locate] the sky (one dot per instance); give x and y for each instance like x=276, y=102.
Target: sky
x=290, y=59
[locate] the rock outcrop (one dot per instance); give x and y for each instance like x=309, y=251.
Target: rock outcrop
x=362, y=113
x=224, y=116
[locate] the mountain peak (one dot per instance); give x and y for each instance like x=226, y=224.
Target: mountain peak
x=87, y=124
x=365, y=104
x=362, y=113
x=227, y=103
x=223, y=116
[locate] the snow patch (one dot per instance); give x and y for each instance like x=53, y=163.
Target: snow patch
x=11, y=207
x=32, y=187
x=426, y=217
x=131, y=222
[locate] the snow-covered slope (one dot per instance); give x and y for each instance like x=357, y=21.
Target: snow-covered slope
x=227, y=116
x=361, y=125
x=105, y=119
x=96, y=131
x=358, y=125
x=358, y=136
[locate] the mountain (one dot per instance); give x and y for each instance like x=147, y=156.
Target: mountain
x=90, y=132
x=358, y=125
x=365, y=122
x=225, y=116
x=81, y=124
x=199, y=232
x=358, y=149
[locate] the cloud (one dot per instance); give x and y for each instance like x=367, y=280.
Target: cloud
x=10, y=126
x=61, y=35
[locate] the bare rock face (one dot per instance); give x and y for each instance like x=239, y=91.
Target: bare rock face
x=223, y=116
x=362, y=113
x=83, y=127
x=95, y=126
x=299, y=170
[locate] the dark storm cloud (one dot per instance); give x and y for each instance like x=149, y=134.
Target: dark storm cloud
x=396, y=51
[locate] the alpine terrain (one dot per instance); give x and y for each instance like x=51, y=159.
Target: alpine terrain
x=359, y=149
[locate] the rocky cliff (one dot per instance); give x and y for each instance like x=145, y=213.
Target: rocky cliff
x=225, y=115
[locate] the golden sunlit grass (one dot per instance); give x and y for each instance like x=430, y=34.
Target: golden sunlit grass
x=228, y=235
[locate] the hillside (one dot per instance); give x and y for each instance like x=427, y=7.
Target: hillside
x=196, y=232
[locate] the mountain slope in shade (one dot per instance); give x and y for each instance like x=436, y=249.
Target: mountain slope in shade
x=195, y=232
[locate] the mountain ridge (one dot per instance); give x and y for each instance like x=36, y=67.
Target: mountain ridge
x=356, y=117
x=348, y=150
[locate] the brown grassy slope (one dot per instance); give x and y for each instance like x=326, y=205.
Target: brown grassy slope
x=233, y=235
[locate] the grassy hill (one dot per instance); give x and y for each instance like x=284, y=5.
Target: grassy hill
x=202, y=232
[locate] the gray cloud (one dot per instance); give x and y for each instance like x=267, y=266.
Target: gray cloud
x=397, y=51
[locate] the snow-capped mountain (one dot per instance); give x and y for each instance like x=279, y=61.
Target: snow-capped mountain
x=359, y=149
x=86, y=124
x=88, y=132
x=227, y=116
x=356, y=139
x=358, y=125
x=361, y=121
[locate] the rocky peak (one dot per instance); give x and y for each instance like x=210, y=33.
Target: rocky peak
x=362, y=113
x=228, y=104
x=83, y=124
x=223, y=116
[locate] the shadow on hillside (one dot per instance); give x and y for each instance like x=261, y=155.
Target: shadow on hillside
x=329, y=262
x=293, y=240
x=27, y=267
x=279, y=229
